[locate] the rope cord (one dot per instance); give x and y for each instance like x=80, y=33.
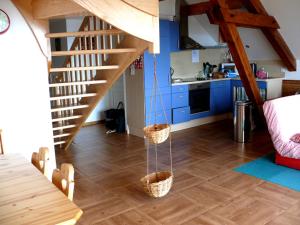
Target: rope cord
x=155, y=90
x=151, y=96
x=170, y=152
x=148, y=146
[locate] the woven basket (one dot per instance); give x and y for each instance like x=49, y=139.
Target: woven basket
x=157, y=133
x=158, y=184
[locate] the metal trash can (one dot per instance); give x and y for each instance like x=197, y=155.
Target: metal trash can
x=242, y=121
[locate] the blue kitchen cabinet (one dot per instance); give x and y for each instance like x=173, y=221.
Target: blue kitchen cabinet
x=220, y=94
x=239, y=93
x=162, y=60
x=180, y=88
x=181, y=115
x=239, y=83
x=180, y=104
x=161, y=99
x=164, y=28
x=180, y=99
x=163, y=90
x=162, y=66
x=159, y=103
x=174, y=36
x=159, y=117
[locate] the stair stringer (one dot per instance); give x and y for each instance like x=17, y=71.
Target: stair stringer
x=38, y=27
x=123, y=60
x=132, y=19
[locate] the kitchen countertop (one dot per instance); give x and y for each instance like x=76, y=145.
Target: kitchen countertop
x=193, y=81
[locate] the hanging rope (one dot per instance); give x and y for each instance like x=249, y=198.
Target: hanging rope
x=156, y=92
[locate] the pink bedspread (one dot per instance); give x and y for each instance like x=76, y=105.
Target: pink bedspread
x=283, y=119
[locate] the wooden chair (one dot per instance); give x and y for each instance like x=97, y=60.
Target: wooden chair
x=41, y=161
x=63, y=179
x=1, y=145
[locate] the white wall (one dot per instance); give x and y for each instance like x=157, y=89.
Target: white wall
x=288, y=17
x=72, y=24
x=24, y=94
x=185, y=68
x=287, y=14
x=167, y=9
x=55, y=26
x=293, y=75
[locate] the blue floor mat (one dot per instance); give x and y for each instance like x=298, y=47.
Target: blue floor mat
x=266, y=169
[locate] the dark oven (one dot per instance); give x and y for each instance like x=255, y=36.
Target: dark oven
x=199, y=97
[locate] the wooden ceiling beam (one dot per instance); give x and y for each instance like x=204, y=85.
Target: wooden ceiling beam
x=231, y=4
x=230, y=33
x=198, y=8
x=245, y=19
x=274, y=37
x=204, y=7
x=50, y=9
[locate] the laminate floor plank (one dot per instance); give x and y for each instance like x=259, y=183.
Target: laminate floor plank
x=206, y=190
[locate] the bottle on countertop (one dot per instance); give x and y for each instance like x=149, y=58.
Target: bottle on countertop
x=262, y=74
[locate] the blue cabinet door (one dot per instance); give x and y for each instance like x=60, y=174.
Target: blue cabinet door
x=162, y=66
x=180, y=88
x=181, y=115
x=174, y=36
x=158, y=117
x=159, y=103
x=221, y=97
x=180, y=99
x=164, y=28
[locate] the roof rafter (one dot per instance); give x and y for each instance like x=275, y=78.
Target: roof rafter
x=257, y=17
x=221, y=12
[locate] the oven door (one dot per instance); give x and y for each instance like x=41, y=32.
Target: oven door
x=199, y=97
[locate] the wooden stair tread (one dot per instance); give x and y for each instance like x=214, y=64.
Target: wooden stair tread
x=69, y=117
x=78, y=83
x=84, y=33
x=100, y=51
x=68, y=107
x=72, y=96
x=59, y=142
x=65, y=69
x=61, y=135
x=61, y=127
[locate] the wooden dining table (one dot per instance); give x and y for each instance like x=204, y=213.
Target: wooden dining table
x=28, y=197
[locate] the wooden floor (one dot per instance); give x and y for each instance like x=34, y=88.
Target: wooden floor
x=206, y=189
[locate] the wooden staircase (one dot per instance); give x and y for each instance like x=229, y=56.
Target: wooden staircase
x=98, y=56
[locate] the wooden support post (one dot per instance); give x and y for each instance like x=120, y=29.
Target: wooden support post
x=236, y=47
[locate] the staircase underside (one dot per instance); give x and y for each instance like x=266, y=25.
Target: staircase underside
x=99, y=55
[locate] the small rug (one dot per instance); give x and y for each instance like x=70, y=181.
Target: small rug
x=266, y=169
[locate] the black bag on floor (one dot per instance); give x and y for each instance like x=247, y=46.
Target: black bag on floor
x=115, y=118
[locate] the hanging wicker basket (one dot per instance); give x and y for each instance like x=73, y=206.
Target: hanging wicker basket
x=158, y=184
x=157, y=133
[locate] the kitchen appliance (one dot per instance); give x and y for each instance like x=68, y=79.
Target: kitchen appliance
x=199, y=97
x=208, y=69
x=186, y=42
x=230, y=69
